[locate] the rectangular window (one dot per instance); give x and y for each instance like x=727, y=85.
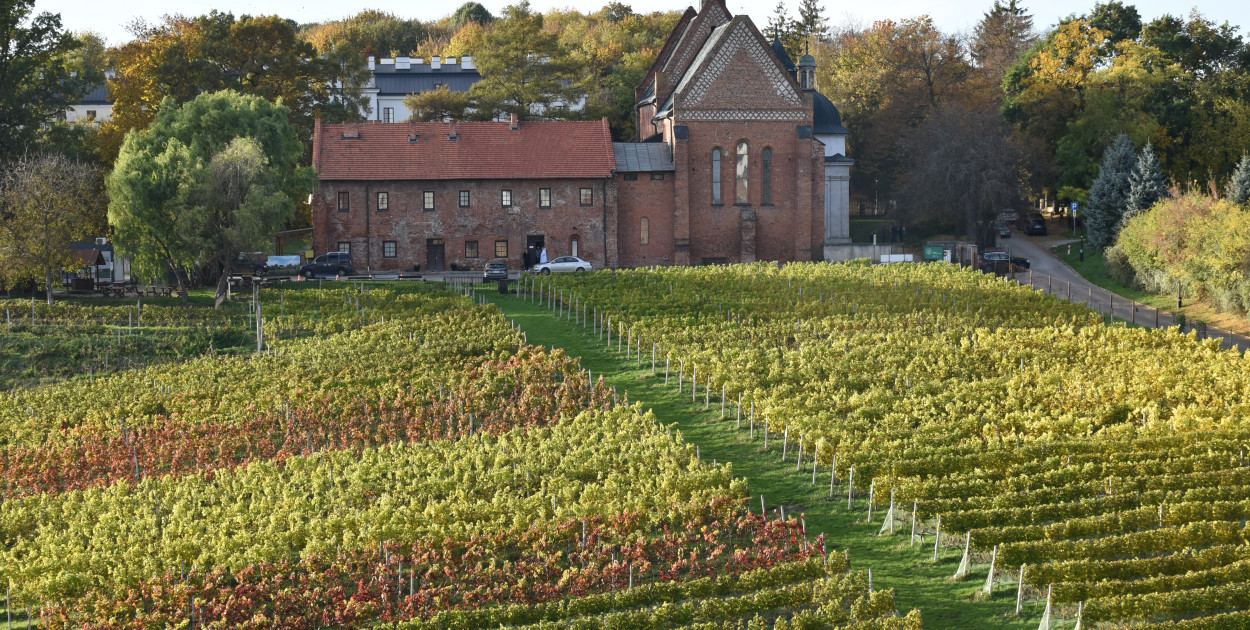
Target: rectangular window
x=388, y=114
x=657, y=176
x=544, y=197
x=505, y=198
x=588, y=196
x=470, y=249
x=388, y=249
x=631, y=177
x=427, y=200
x=384, y=202
x=90, y=114
x=501, y=248
x=345, y=201
x=345, y=247
x=464, y=199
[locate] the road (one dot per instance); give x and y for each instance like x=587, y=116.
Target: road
x=1049, y=274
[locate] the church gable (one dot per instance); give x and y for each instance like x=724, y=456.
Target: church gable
x=712, y=15
x=737, y=77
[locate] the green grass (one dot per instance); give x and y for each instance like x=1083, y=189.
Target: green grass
x=919, y=582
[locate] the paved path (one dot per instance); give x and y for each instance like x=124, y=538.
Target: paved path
x=1051, y=275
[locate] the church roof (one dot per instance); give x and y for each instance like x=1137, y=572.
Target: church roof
x=642, y=157
x=826, y=119
x=463, y=150
x=779, y=49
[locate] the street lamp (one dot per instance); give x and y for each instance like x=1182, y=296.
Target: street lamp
x=874, y=197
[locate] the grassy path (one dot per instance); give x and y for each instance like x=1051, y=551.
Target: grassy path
x=919, y=582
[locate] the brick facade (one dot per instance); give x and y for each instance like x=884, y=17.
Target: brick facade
x=412, y=228
x=716, y=85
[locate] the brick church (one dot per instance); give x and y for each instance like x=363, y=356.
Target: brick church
x=739, y=159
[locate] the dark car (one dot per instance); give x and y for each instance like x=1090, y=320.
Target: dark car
x=495, y=271
x=332, y=263
x=252, y=263
x=993, y=260
x=1032, y=224
x=1002, y=228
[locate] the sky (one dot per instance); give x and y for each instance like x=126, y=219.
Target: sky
x=109, y=19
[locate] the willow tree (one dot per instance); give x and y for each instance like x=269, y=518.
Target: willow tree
x=207, y=180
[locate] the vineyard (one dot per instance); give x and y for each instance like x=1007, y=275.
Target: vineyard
x=378, y=455
x=1097, y=468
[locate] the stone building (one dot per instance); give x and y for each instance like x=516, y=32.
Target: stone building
x=742, y=160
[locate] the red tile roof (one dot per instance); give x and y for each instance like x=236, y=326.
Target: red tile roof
x=481, y=150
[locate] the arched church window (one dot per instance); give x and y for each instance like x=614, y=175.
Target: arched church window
x=716, y=175
x=742, y=172
x=644, y=231
x=766, y=190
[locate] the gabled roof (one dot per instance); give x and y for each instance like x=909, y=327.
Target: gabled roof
x=463, y=150
x=642, y=157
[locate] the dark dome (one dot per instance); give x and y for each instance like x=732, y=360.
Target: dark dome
x=780, y=51
x=825, y=116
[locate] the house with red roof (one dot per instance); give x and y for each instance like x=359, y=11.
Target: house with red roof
x=740, y=159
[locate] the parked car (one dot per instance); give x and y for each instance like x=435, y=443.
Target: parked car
x=495, y=271
x=1008, y=215
x=563, y=263
x=1003, y=229
x=252, y=264
x=1033, y=224
x=332, y=263
x=993, y=258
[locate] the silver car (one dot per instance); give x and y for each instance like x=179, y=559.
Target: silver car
x=562, y=263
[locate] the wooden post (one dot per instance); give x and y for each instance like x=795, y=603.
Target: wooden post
x=785, y=443
x=815, y=461
x=914, y=523
x=872, y=491
x=763, y=508
x=722, y=401
x=738, y=422
x=1020, y=592
x=850, y=488
x=666, y=363
x=989, y=581
x=681, y=374
x=653, y=360
x=937, y=537
x=833, y=474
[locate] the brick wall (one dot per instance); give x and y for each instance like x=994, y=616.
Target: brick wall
x=486, y=220
x=653, y=199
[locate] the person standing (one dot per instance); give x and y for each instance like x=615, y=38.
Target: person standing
x=542, y=255
x=525, y=260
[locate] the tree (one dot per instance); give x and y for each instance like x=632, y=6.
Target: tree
x=811, y=26
x=964, y=168
x=525, y=70
x=1003, y=35
x=47, y=201
x=1239, y=188
x=471, y=12
x=1119, y=21
x=187, y=196
x=185, y=57
x=35, y=82
x=438, y=105
x=1145, y=183
x=1108, y=197
x=369, y=32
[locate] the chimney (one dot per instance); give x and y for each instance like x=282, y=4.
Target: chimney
x=513, y=122
x=402, y=63
x=371, y=63
x=451, y=61
x=436, y=62
x=466, y=63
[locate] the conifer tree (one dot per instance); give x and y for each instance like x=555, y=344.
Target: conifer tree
x=1146, y=186
x=1108, y=197
x=1239, y=189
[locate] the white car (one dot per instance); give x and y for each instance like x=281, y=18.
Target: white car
x=563, y=263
